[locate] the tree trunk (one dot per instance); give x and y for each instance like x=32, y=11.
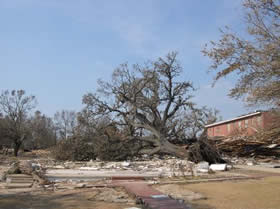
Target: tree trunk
x=199, y=151
x=16, y=149
x=165, y=147
x=176, y=150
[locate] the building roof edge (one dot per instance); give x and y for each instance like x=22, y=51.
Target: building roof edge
x=230, y=120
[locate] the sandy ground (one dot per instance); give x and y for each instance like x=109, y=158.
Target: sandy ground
x=249, y=194
x=74, y=199
x=239, y=194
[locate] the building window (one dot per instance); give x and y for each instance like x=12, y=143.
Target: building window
x=246, y=123
x=239, y=124
x=217, y=130
x=228, y=127
x=259, y=121
x=255, y=122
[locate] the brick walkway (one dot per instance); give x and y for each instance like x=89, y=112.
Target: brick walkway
x=150, y=197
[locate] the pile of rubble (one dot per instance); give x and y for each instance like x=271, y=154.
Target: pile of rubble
x=249, y=146
x=46, y=171
x=151, y=169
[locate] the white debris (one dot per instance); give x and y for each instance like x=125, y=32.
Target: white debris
x=89, y=168
x=36, y=166
x=125, y=164
x=272, y=146
x=202, y=167
x=80, y=186
x=250, y=163
x=218, y=167
x=59, y=167
x=229, y=167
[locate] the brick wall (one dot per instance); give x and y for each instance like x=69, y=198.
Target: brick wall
x=248, y=126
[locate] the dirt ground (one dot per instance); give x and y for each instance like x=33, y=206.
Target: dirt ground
x=247, y=194
x=261, y=193
x=250, y=194
x=75, y=199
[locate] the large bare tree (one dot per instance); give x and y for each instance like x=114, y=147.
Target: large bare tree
x=194, y=120
x=43, y=131
x=65, y=122
x=254, y=57
x=16, y=107
x=145, y=101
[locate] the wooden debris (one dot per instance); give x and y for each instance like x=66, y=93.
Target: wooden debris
x=260, y=145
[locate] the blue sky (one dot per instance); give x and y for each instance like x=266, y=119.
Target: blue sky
x=57, y=49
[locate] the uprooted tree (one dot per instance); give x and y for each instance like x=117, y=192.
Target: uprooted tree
x=255, y=58
x=15, y=107
x=146, y=103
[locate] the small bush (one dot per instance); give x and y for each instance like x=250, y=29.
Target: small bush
x=83, y=151
x=73, y=149
x=115, y=149
x=63, y=150
x=111, y=148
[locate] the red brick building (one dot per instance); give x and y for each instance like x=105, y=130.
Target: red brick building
x=246, y=124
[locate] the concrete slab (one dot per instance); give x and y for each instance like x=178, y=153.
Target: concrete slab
x=74, y=174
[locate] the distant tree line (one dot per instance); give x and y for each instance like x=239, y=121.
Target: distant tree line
x=21, y=127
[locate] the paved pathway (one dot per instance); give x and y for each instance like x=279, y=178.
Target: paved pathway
x=150, y=197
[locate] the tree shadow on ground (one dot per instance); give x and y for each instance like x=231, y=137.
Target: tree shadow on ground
x=67, y=199
x=27, y=201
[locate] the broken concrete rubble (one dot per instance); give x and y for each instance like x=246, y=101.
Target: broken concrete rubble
x=251, y=160
x=36, y=166
x=229, y=167
x=113, y=195
x=202, y=167
x=218, y=167
x=156, y=167
x=125, y=164
x=145, y=169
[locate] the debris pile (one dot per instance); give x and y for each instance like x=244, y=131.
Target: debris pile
x=249, y=146
x=18, y=181
x=152, y=168
x=111, y=195
x=204, y=150
x=93, y=171
x=204, y=167
x=27, y=168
